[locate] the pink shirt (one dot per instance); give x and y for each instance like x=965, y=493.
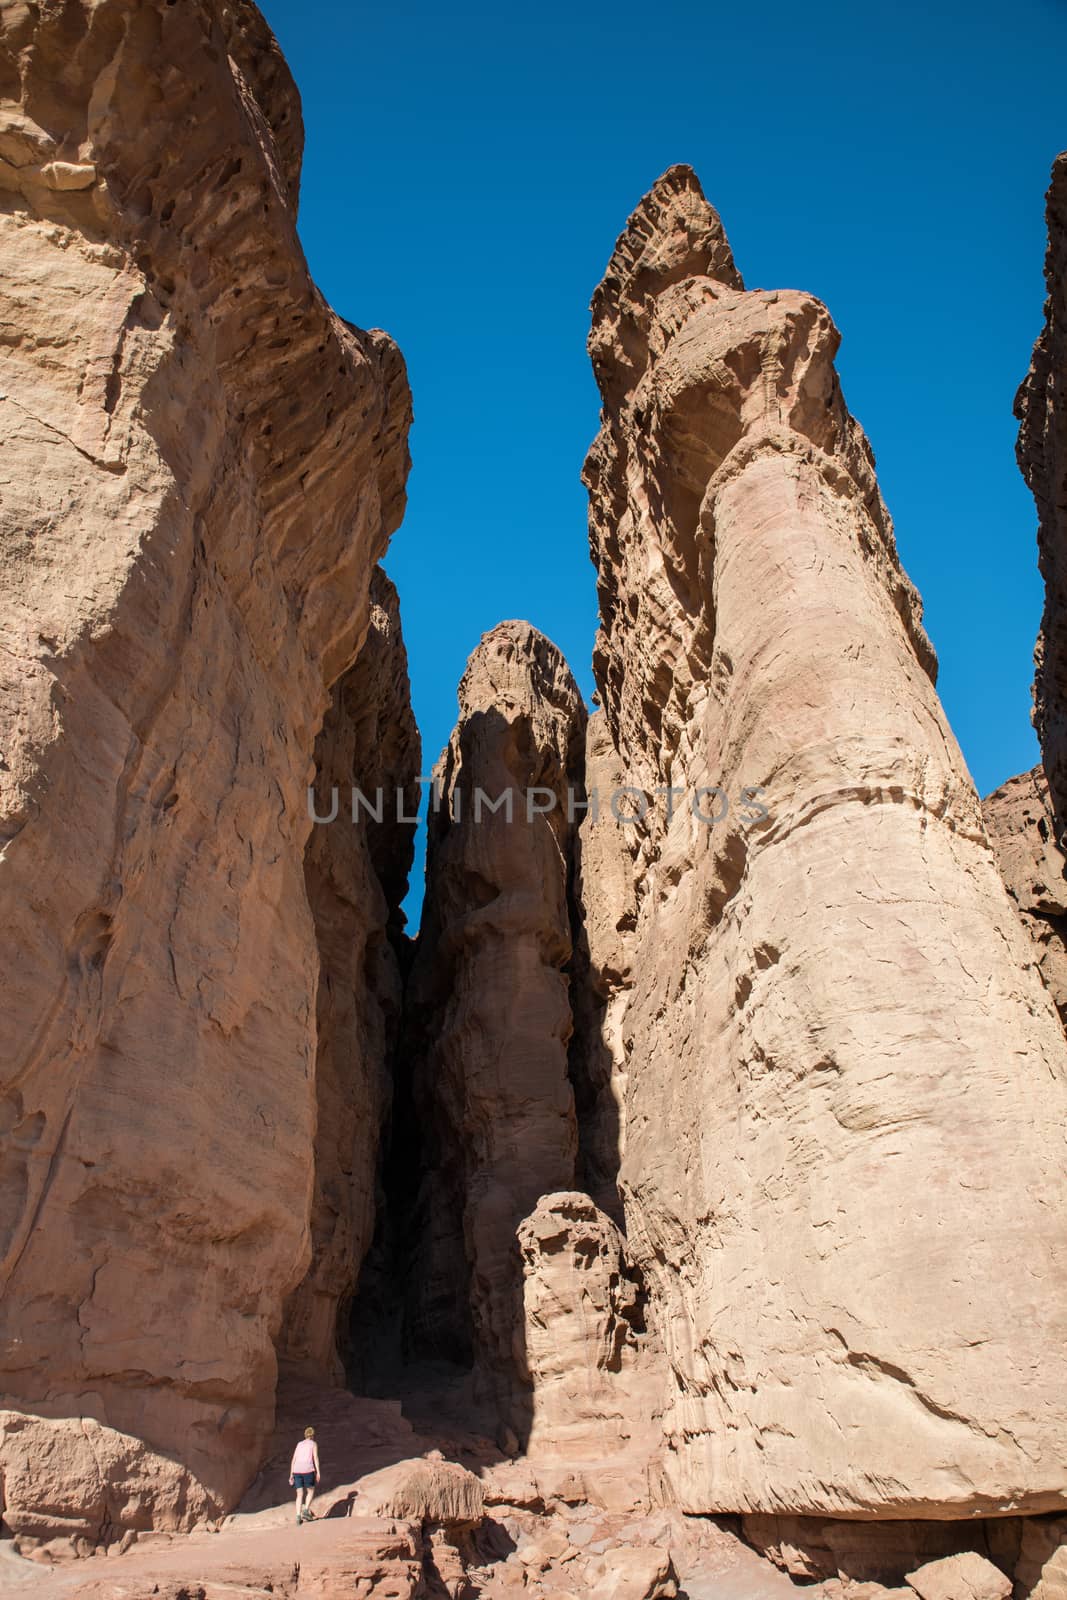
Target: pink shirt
x=304, y=1456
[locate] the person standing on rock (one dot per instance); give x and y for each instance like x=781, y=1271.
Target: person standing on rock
x=304, y=1473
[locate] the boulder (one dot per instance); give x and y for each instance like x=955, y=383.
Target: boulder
x=631, y=1574
x=967, y=1576
x=438, y=1492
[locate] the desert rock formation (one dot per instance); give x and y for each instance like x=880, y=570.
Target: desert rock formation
x=715, y=1138
x=833, y=1040
x=1042, y=453
x=201, y=466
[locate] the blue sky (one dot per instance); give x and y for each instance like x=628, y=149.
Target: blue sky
x=466, y=173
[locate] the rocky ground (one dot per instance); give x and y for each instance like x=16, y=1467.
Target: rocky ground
x=429, y=1514
x=405, y=1514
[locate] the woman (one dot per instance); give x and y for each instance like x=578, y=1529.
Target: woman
x=304, y=1472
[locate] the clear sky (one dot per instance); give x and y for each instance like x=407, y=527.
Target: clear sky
x=467, y=170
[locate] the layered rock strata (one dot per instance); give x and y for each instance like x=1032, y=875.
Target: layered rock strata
x=367, y=761
x=201, y=465
x=489, y=997
x=1042, y=454
x=833, y=1048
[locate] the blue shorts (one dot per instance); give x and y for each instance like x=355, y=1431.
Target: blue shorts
x=304, y=1480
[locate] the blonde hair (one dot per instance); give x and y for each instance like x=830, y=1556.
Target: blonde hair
x=309, y=1433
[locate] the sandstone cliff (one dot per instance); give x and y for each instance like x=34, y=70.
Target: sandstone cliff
x=489, y=998
x=1042, y=453
x=840, y=1081
x=201, y=465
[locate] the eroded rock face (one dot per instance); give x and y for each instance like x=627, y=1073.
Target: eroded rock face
x=1042, y=453
x=356, y=874
x=832, y=1029
x=1022, y=828
x=201, y=465
x=489, y=996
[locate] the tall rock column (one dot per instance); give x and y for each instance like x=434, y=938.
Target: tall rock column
x=489, y=997
x=845, y=1087
x=201, y=466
